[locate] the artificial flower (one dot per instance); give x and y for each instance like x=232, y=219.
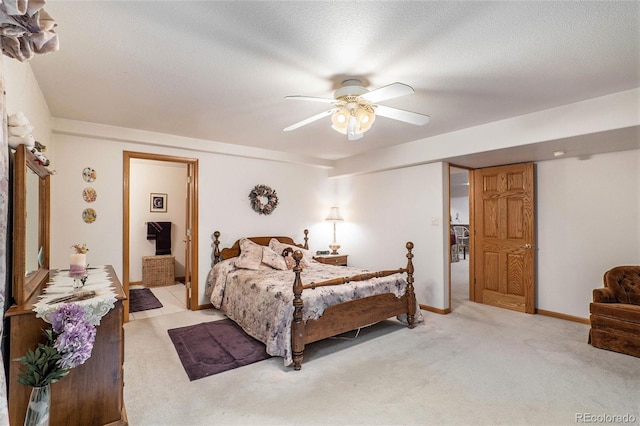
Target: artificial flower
x=69, y=343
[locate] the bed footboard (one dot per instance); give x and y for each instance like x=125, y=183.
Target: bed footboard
x=350, y=315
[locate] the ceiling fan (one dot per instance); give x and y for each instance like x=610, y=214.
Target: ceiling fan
x=355, y=108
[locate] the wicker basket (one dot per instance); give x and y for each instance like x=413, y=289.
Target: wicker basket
x=158, y=270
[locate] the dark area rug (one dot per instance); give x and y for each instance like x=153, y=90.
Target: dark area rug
x=213, y=347
x=142, y=299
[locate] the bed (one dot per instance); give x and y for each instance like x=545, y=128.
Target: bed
x=305, y=301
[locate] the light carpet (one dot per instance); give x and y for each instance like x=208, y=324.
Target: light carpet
x=479, y=365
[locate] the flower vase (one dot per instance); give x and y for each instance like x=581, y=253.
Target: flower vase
x=39, y=405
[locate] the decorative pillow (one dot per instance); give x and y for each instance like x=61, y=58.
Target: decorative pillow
x=250, y=255
x=273, y=259
x=279, y=247
x=290, y=261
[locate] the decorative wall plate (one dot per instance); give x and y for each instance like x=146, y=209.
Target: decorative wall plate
x=89, y=174
x=89, y=194
x=89, y=215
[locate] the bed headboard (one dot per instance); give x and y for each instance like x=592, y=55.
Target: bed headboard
x=234, y=250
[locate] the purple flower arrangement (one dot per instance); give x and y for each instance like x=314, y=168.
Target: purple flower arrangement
x=75, y=335
x=69, y=343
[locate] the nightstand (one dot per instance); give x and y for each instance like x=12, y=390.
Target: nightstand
x=333, y=259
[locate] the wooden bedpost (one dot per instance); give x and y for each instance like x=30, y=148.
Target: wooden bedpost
x=411, y=295
x=306, y=239
x=297, y=326
x=216, y=247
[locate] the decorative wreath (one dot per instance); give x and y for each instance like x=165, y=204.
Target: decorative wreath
x=257, y=197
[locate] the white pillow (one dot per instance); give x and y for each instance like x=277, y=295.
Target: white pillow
x=273, y=259
x=279, y=247
x=250, y=255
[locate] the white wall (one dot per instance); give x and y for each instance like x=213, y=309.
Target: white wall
x=224, y=185
x=103, y=237
x=384, y=210
x=148, y=177
x=588, y=214
x=24, y=95
x=588, y=220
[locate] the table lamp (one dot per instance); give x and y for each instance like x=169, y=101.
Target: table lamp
x=334, y=216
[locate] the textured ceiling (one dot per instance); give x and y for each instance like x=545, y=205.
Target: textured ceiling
x=219, y=71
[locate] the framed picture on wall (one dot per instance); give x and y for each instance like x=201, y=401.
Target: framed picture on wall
x=158, y=203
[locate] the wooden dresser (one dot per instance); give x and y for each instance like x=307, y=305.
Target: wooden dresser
x=92, y=393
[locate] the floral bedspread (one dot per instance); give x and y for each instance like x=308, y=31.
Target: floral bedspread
x=261, y=301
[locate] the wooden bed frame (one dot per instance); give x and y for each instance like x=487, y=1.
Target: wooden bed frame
x=339, y=318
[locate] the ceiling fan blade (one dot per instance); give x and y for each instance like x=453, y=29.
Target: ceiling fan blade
x=390, y=91
x=310, y=119
x=402, y=115
x=311, y=98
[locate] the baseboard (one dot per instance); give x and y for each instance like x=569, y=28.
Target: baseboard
x=538, y=311
x=435, y=310
x=132, y=283
x=563, y=316
x=201, y=307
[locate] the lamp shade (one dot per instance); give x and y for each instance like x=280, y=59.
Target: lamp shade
x=334, y=214
x=340, y=119
x=365, y=119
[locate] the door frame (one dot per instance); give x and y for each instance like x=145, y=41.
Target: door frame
x=471, y=227
x=192, y=242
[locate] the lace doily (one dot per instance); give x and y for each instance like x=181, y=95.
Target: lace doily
x=62, y=285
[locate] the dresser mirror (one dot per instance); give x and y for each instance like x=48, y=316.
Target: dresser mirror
x=30, y=224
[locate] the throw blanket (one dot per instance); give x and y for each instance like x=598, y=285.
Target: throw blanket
x=261, y=301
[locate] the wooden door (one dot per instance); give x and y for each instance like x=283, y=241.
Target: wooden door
x=503, y=236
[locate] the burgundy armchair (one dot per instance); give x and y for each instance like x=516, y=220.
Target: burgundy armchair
x=615, y=312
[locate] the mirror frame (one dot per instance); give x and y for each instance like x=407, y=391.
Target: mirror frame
x=24, y=287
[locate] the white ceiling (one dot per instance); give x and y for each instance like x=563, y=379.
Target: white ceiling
x=219, y=71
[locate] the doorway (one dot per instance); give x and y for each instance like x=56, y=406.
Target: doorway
x=501, y=224
x=183, y=205
x=459, y=221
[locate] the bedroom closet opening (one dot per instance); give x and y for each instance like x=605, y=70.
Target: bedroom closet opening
x=459, y=289
x=159, y=223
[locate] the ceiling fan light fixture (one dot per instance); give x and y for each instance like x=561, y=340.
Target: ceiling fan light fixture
x=355, y=108
x=365, y=119
x=352, y=119
x=340, y=120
